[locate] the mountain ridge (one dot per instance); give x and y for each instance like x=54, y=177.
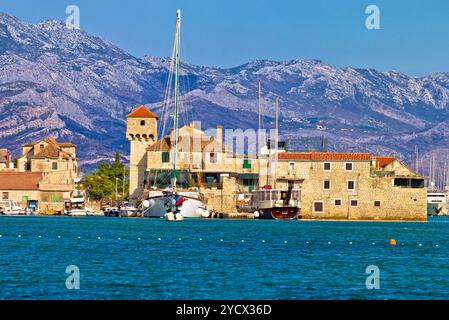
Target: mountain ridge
x=77, y=87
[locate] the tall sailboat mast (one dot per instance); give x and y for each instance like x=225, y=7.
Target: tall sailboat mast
x=276, y=141
x=176, y=120
x=259, y=97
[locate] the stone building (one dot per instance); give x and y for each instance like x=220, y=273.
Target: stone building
x=202, y=159
x=352, y=186
x=141, y=131
x=46, y=175
x=5, y=159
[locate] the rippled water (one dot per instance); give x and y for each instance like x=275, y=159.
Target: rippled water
x=221, y=259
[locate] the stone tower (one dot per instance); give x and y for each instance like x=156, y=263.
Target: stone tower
x=141, y=131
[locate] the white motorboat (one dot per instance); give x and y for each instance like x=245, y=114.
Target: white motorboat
x=92, y=213
x=127, y=211
x=10, y=208
x=75, y=207
x=437, y=203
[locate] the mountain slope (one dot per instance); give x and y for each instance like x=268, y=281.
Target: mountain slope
x=77, y=87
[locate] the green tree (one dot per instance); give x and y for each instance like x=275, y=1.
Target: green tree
x=102, y=183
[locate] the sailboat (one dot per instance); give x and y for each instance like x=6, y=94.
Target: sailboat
x=171, y=203
x=273, y=203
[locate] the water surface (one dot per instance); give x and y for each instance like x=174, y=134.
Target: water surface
x=221, y=259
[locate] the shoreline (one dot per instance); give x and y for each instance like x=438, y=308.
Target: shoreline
x=308, y=220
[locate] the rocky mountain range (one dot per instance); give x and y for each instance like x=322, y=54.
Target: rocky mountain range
x=77, y=87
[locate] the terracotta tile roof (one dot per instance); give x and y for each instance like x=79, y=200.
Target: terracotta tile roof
x=324, y=156
x=142, y=112
x=51, y=151
x=20, y=180
x=383, y=161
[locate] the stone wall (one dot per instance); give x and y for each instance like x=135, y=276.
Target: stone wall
x=222, y=200
x=394, y=203
x=140, y=137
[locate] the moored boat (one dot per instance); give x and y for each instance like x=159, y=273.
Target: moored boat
x=127, y=211
x=437, y=203
x=173, y=203
x=188, y=204
x=75, y=207
x=277, y=204
x=10, y=208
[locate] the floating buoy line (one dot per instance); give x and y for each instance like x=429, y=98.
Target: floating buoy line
x=390, y=243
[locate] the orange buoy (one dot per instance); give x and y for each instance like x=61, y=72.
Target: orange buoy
x=392, y=242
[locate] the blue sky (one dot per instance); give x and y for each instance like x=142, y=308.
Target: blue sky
x=414, y=34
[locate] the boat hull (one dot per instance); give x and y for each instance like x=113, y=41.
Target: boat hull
x=77, y=213
x=160, y=206
x=279, y=213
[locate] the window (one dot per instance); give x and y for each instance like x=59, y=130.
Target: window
x=351, y=185
x=377, y=203
x=408, y=183
x=5, y=196
x=41, y=147
x=348, y=166
x=326, y=184
x=354, y=203
x=291, y=167
x=54, y=166
x=327, y=166
x=213, y=157
x=246, y=164
x=318, y=207
x=165, y=157
x=142, y=122
x=337, y=202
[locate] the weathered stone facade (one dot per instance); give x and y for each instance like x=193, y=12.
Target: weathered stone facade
x=223, y=200
x=141, y=131
x=46, y=173
x=352, y=186
x=366, y=192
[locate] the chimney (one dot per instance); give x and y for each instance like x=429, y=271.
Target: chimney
x=220, y=134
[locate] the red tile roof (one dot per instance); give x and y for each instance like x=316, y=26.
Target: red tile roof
x=20, y=180
x=324, y=156
x=142, y=112
x=51, y=151
x=383, y=161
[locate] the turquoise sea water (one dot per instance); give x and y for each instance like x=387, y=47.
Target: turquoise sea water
x=221, y=259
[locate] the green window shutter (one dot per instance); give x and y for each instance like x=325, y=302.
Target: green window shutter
x=54, y=198
x=24, y=198
x=246, y=164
